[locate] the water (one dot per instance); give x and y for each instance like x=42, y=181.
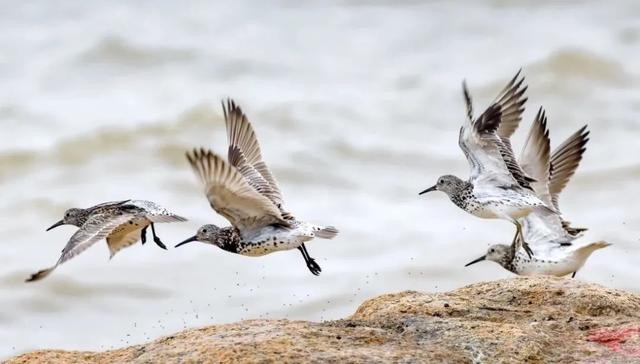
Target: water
x=357, y=106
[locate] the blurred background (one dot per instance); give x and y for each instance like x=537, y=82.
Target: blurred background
x=357, y=107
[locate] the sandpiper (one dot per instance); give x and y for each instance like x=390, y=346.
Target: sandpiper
x=550, y=237
x=497, y=185
x=245, y=192
x=122, y=223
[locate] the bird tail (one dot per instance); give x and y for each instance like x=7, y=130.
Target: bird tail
x=327, y=232
x=590, y=248
x=40, y=274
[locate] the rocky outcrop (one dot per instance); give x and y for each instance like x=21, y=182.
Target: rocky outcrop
x=538, y=320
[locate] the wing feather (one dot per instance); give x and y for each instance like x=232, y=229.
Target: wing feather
x=487, y=146
x=231, y=195
x=540, y=229
x=534, y=158
x=565, y=159
x=511, y=100
x=96, y=228
x=244, y=152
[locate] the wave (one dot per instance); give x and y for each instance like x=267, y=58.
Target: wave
x=577, y=64
x=160, y=136
x=114, y=50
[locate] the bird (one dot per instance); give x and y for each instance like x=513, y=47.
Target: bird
x=497, y=187
x=552, y=239
x=121, y=223
x=245, y=192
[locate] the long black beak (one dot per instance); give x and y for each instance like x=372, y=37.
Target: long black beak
x=476, y=261
x=61, y=222
x=430, y=189
x=193, y=238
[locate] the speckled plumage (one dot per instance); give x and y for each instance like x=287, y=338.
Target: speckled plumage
x=551, y=238
x=498, y=187
x=121, y=223
x=244, y=191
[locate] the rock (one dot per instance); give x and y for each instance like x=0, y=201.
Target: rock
x=539, y=320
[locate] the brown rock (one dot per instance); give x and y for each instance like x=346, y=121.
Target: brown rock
x=537, y=320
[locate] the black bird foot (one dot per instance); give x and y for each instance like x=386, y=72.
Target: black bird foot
x=573, y=275
x=311, y=263
x=313, y=267
x=527, y=249
x=156, y=239
x=159, y=242
x=143, y=235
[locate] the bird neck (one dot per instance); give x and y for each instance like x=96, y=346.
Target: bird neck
x=229, y=239
x=462, y=195
x=82, y=217
x=509, y=261
x=509, y=265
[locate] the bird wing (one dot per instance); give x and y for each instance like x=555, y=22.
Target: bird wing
x=231, y=195
x=511, y=100
x=154, y=212
x=534, y=158
x=565, y=159
x=541, y=228
x=490, y=155
x=97, y=227
x=124, y=236
x=244, y=153
x=106, y=205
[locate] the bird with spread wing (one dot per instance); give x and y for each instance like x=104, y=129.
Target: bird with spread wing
x=497, y=187
x=550, y=237
x=121, y=223
x=244, y=191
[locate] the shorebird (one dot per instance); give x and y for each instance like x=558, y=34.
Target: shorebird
x=245, y=192
x=550, y=237
x=497, y=187
x=122, y=223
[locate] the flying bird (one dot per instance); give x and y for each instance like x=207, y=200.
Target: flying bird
x=121, y=223
x=551, y=238
x=497, y=187
x=244, y=191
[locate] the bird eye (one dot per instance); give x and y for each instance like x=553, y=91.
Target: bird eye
x=491, y=250
x=204, y=231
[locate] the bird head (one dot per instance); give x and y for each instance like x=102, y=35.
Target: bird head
x=448, y=184
x=208, y=234
x=75, y=217
x=498, y=253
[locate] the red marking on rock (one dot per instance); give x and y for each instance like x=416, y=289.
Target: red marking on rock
x=614, y=338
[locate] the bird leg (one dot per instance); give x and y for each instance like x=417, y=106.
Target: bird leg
x=143, y=234
x=156, y=239
x=524, y=244
x=573, y=275
x=311, y=263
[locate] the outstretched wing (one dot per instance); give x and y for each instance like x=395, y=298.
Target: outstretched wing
x=511, y=100
x=565, y=159
x=541, y=229
x=489, y=154
x=534, y=158
x=96, y=228
x=230, y=194
x=244, y=153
